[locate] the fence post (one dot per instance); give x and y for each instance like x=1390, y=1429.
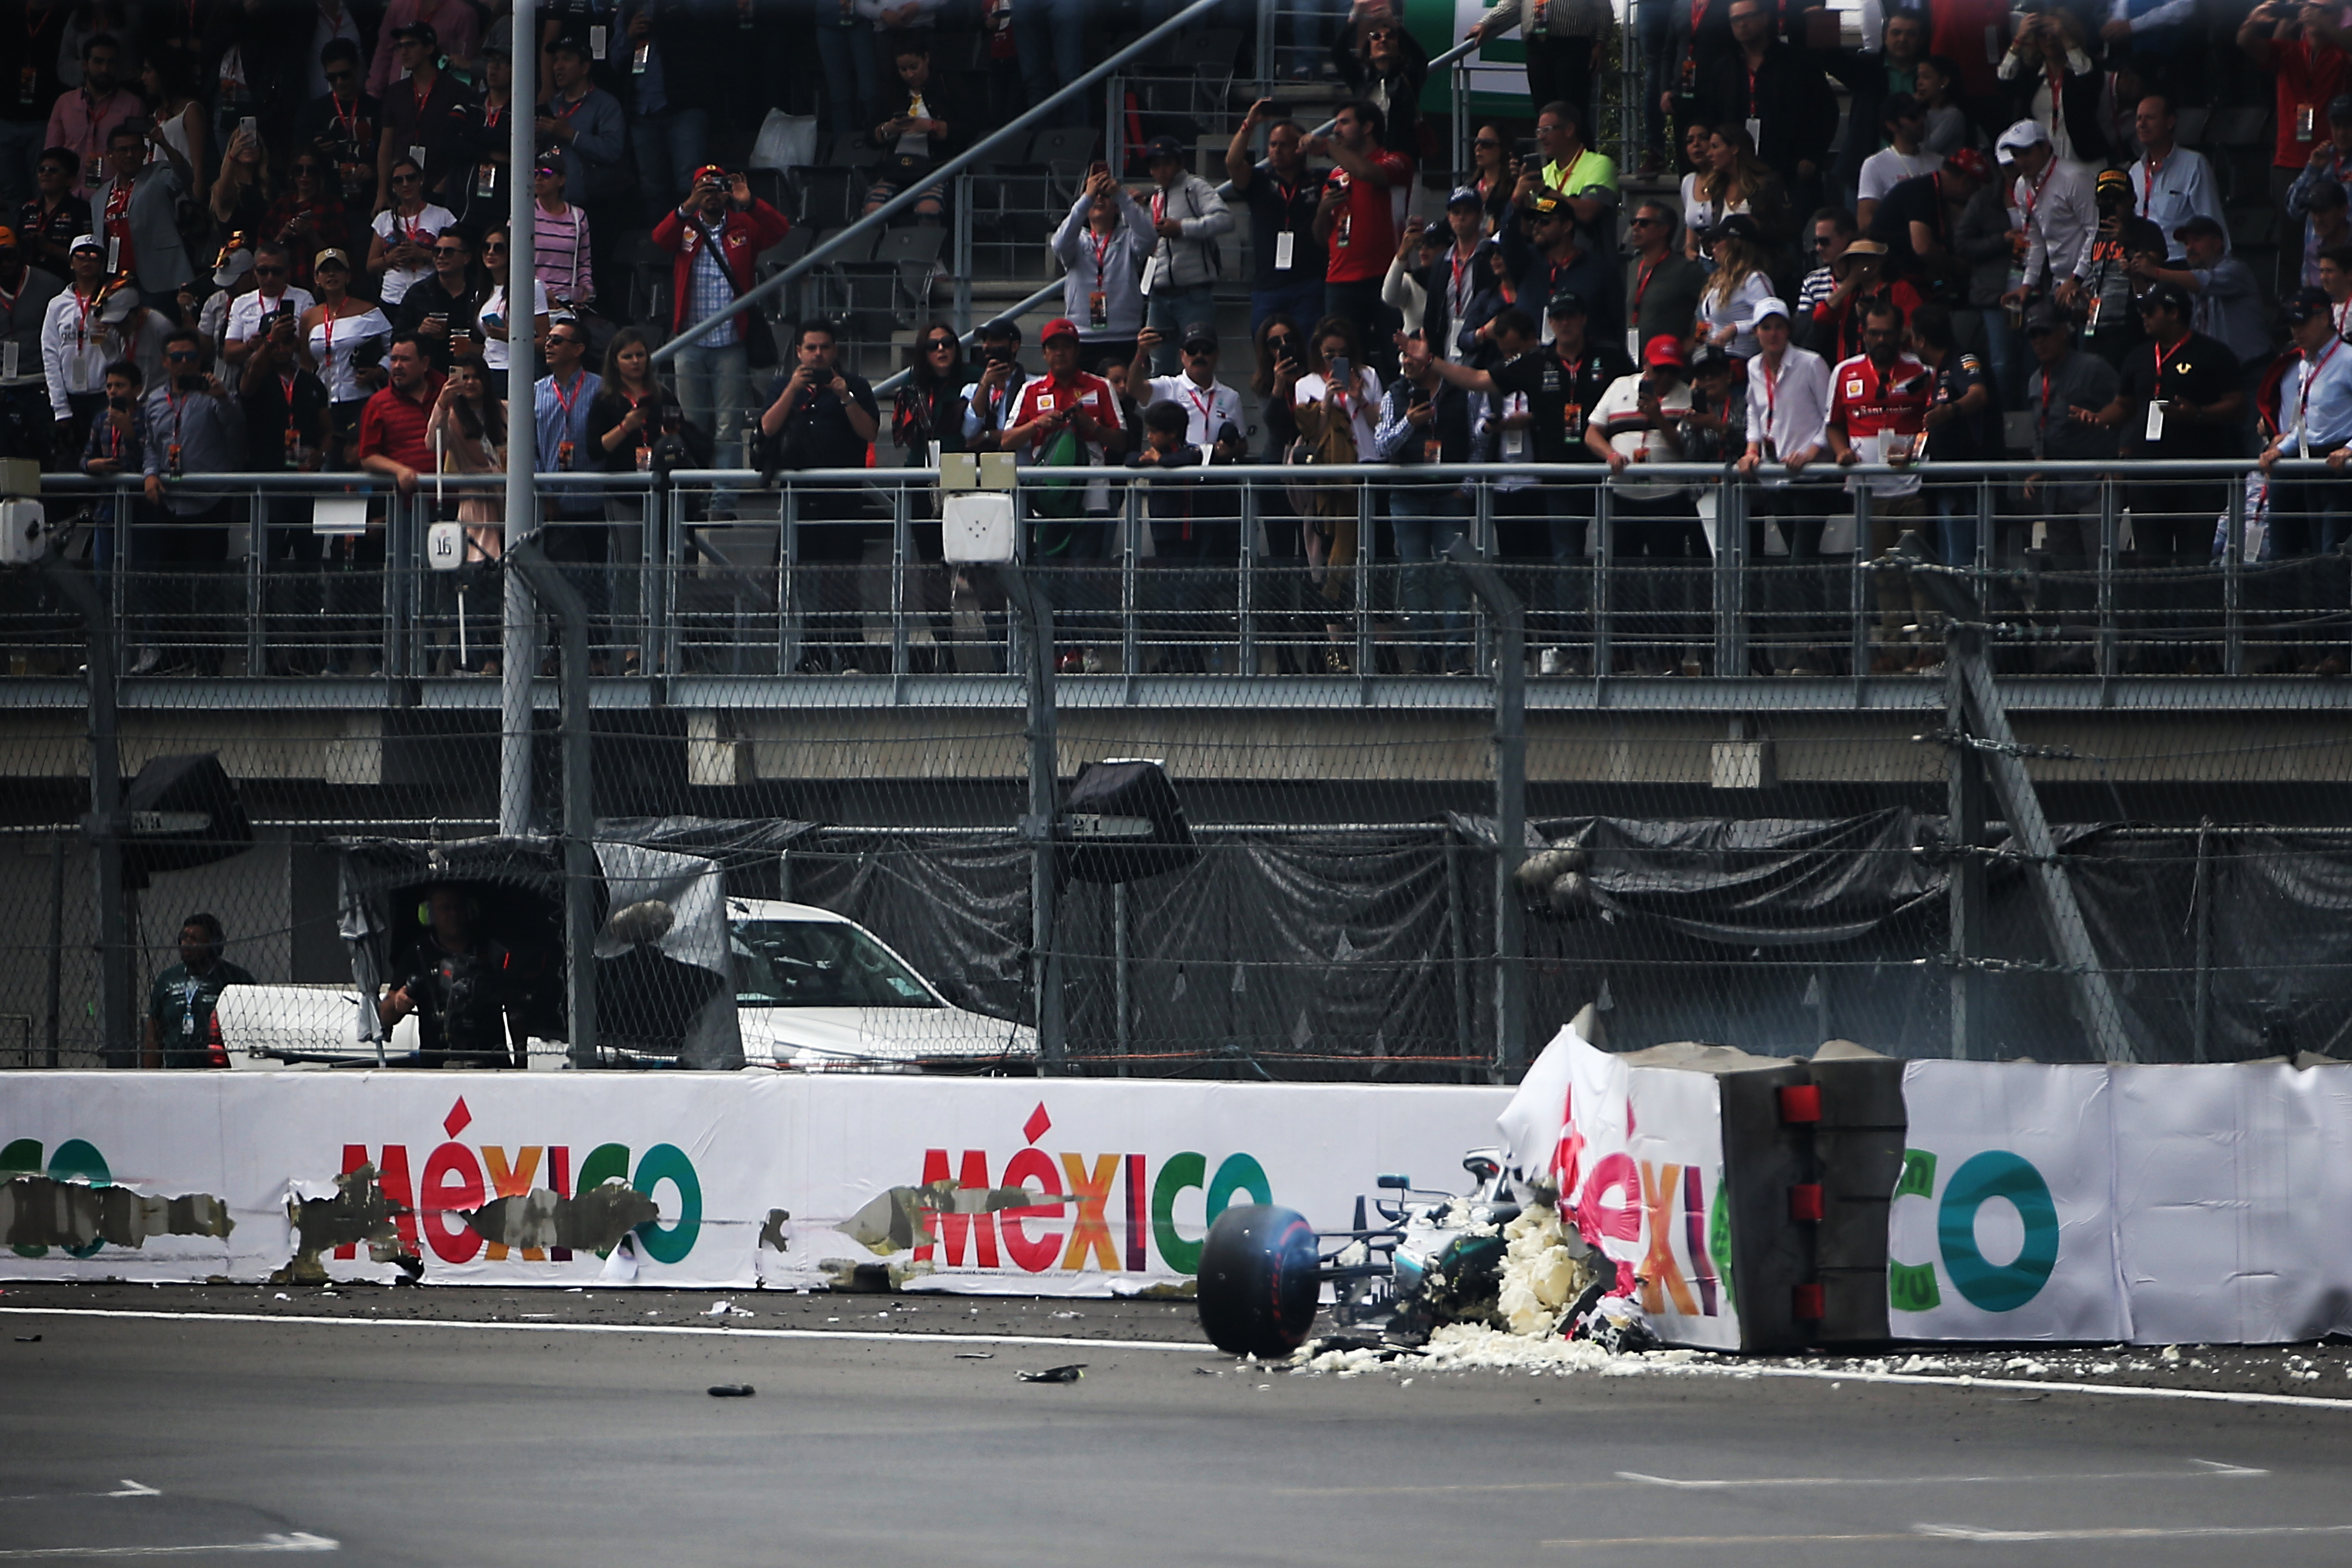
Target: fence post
x=1964, y=795
x=564, y=602
x=117, y=1046
x=1510, y=807
x=1026, y=598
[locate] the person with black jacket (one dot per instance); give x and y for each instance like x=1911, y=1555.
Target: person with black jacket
x=1780, y=94
x=445, y=309
x=1379, y=60
x=822, y=416
x=928, y=128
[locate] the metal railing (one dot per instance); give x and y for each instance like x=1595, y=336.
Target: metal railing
x=1213, y=573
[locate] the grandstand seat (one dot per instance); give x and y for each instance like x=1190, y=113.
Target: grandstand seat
x=851, y=150
x=784, y=252
x=890, y=289
x=2253, y=227
x=1064, y=144
x=2247, y=125
x=825, y=194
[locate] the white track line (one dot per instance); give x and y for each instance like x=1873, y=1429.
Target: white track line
x=299, y=1540
x=871, y=1335
x=130, y=1489
x=2204, y=1469
x=1915, y=1380
x=1968, y=1533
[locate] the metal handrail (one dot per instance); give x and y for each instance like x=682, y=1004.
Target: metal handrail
x=917, y=191
x=897, y=378
x=1577, y=476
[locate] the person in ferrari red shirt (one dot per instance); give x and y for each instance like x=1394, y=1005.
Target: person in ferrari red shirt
x=1356, y=220
x=1067, y=418
x=715, y=236
x=1878, y=412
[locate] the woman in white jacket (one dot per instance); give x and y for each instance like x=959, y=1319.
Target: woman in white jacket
x=1102, y=246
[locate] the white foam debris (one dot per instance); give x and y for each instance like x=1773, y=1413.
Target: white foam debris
x=2172, y=1355
x=1924, y=1364
x=1353, y=1254
x=2026, y=1364
x=1473, y=1347
x=1541, y=1274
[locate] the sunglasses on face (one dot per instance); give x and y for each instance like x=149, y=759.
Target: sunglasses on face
x=1486, y=141
x=446, y=250
x=936, y=344
x=343, y=76
x=1644, y=223
x=495, y=248
x=407, y=179
x=181, y=355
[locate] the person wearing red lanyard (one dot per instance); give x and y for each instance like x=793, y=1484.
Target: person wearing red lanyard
x=1456, y=280
x=340, y=124
x=1788, y=401
x=193, y=428
x=1662, y=285
x=2311, y=515
x=424, y=118
x=2061, y=211
x=76, y=345
x=1101, y=246
x=1878, y=405
x=586, y=124
x=1287, y=262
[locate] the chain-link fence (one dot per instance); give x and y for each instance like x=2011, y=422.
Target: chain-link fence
x=2077, y=793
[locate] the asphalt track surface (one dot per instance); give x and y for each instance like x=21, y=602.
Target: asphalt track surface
x=449, y=1427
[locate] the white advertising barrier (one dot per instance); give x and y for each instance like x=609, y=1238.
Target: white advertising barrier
x=757, y=1178
x=1637, y=1155
x=2001, y=1226
x=2154, y=1204
x=2233, y=1195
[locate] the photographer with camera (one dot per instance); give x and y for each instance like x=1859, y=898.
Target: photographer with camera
x=821, y=416
x=1103, y=247
x=715, y=236
x=274, y=294
x=996, y=391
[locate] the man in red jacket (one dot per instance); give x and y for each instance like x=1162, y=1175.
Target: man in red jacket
x=717, y=235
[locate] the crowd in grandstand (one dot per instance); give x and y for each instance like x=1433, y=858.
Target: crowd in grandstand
x=256, y=235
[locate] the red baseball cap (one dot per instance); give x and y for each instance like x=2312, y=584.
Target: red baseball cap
x=1970, y=162
x=1058, y=327
x=1664, y=349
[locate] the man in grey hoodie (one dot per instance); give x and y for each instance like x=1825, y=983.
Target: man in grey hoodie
x=1180, y=279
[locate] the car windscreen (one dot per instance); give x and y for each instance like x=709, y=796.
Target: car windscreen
x=819, y=963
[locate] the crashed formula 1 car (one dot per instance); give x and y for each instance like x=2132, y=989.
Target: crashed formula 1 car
x=1497, y=1255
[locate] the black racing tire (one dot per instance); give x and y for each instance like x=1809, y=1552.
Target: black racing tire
x=1258, y=1280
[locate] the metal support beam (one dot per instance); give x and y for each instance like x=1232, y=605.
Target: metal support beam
x=1964, y=795
x=117, y=1041
x=986, y=147
x=2095, y=997
x=1027, y=599
x=520, y=652
x=1510, y=807
x=564, y=602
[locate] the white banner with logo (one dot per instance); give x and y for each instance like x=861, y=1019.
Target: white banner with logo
x=756, y=1178
x=2153, y=1204
x=1637, y=1155
x=2002, y=1222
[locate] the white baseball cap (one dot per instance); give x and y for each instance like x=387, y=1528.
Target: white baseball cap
x=2019, y=137
x=1771, y=305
